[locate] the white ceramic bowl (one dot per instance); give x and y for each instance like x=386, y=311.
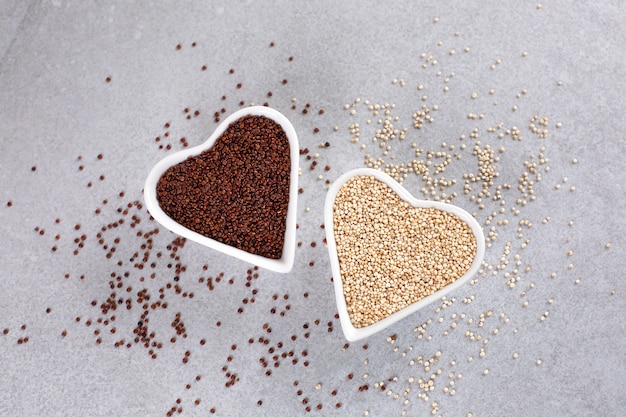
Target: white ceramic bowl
x=353, y=333
x=283, y=264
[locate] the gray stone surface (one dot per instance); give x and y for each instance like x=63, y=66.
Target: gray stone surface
x=566, y=61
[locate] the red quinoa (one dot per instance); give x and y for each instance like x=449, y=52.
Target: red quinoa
x=237, y=192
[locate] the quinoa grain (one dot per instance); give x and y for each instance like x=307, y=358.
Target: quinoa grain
x=236, y=192
x=392, y=254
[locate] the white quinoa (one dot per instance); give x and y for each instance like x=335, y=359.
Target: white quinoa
x=392, y=254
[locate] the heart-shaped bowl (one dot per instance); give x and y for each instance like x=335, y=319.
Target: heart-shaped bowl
x=351, y=332
x=285, y=262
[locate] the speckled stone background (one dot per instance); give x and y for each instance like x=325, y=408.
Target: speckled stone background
x=488, y=352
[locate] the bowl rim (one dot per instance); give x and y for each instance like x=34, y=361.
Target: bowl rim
x=353, y=333
x=282, y=265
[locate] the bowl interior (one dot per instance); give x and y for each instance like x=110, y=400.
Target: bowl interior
x=285, y=263
x=353, y=333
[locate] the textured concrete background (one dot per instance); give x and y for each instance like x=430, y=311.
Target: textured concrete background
x=564, y=59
